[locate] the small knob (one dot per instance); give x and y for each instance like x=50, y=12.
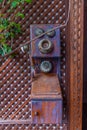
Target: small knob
x=46, y=66
x=39, y=31
x=51, y=33
x=36, y=113
x=45, y=46
x=25, y=48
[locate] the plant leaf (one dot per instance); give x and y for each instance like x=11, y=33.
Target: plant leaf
x=14, y=4
x=28, y=1
x=1, y=52
x=2, y=27
x=7, y=48
x=19, y=14
x=7, y=35
x=1, y=1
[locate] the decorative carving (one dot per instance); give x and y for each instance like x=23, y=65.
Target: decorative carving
x=76, y=63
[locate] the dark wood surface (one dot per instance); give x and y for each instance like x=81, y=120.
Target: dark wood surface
x=46, y=86
x=76, y=64
x=85, y=69
x=46, y=100
x=84, y=116
x=47, y=112
x=85, y=53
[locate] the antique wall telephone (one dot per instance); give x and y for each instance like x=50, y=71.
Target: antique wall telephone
x=45, y=54
x=46, y=97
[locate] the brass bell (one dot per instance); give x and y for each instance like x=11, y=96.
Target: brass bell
x=45, y=46
x=51, y=33
x=46, y=66
x=38, y=31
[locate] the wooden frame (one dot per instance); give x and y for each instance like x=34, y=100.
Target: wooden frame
x=76, y=64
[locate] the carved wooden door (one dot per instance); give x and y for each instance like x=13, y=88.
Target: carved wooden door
x=15, y=88
x=85, y=69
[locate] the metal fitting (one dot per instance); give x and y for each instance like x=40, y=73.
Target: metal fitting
x=38, y=31
x=51, y=33
x=25, y=48
x=46, y=66
x=45, y=46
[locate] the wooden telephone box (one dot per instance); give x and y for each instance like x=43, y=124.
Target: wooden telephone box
x=46, y=95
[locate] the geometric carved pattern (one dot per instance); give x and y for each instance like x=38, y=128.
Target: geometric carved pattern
x=15, y=73
x=33, y=127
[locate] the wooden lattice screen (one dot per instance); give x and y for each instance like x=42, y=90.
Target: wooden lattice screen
x=15, y=90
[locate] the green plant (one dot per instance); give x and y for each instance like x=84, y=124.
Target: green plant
x=9, y=29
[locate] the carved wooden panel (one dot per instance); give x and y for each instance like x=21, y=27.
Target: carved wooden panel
x=76, y=64
x=15, y=73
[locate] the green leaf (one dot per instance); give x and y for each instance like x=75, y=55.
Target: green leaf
x=14, y=4
x=2, y=38
x=28, y=1
x=12, y=34
x=13, y=55
x=7, y=35
x=21, y=1
x=2, y=27
x=14, y=28
x=1, y=52
x=19, y=14
x=2, y=41
x=7, y=48
x=1, y=35
x=5, y=22
x=1, y=1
